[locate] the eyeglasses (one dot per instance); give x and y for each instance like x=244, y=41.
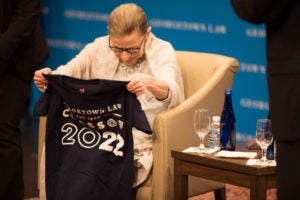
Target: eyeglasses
x=128, y=50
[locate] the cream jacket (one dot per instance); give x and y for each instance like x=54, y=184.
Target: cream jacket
x=97, y=60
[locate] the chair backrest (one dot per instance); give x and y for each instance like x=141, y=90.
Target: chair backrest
x=198, y=69
x=205, y=77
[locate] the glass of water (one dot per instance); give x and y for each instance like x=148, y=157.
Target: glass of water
x=264, y=137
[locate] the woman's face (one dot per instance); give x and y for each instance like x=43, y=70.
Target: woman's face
x=130, y=47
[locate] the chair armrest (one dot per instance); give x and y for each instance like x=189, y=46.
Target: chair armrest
x=41, y=142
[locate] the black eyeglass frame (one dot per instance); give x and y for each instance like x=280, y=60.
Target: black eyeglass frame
x=131, y=51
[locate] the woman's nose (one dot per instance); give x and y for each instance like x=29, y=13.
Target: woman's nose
x=125, y=56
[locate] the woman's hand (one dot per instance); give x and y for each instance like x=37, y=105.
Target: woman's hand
x=139, y=85
x=39, y=80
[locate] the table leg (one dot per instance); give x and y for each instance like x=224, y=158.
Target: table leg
x=258, y=190
x=180, y=182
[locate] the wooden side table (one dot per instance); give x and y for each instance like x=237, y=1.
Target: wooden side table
x=228, y=170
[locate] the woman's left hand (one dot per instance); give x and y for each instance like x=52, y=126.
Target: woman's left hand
x=139, y=85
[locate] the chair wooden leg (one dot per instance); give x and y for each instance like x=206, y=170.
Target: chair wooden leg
x=220, y=194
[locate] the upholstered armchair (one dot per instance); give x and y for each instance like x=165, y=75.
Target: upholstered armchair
x=205, y=77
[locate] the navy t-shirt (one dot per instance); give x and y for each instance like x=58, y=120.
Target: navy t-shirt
x=89, y=143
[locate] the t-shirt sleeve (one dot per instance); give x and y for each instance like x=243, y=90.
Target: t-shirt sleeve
x=42, y=105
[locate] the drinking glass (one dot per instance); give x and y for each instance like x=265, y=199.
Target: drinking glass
x=264, y=137
x=201, y=126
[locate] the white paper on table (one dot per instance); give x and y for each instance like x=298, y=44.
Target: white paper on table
x=254, y=162
x=236, y=154
x=197, y=150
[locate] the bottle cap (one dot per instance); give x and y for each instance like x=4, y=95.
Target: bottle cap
x=228, y=91
x=216, y=118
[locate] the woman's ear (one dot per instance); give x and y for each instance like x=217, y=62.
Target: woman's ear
x=148, y=31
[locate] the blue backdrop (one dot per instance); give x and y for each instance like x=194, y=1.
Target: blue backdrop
x=193, y=25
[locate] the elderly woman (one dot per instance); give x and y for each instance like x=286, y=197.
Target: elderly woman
x=130, y=52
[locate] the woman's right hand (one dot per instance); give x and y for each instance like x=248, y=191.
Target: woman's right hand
x=39, y=80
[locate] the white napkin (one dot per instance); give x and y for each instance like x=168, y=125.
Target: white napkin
x=236, y=154
x=197, y=150
x=254, y=162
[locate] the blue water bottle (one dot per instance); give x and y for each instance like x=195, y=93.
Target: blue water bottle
x=271, y=151
x=228, y=127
